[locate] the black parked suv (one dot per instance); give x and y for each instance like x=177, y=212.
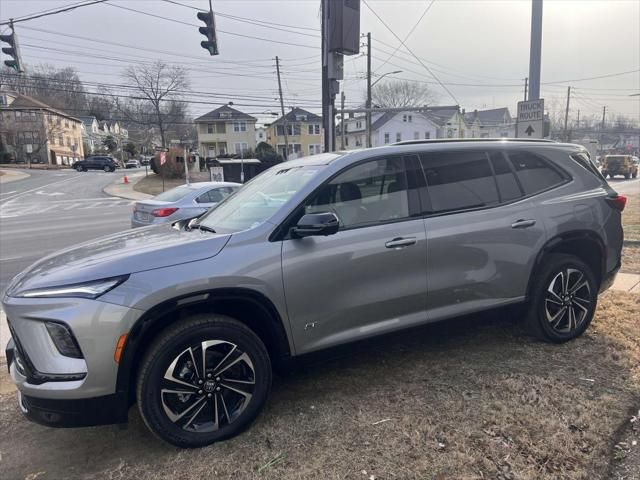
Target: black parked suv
x=96, y=162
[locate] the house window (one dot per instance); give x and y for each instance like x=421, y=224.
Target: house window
x=239, y=126
x=221, y=128
x=407, y=118
x=301, y=118
x=280, y=130
x=398, y=137
x=386, y=138
x=60, y=140
x=314, y=129
x=314, y=149
x=73, y=125
x=358, y=124
x=358, y=141
x=416, y=135
x=346, y=141
x=427, y=135
x=296, y=129
x=68, y=141
x=66, y=123
x=210, y=128
x=410, y=118
x=225, y=114
x=240, y=148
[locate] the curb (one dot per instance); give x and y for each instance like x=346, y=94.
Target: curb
x=118, y=189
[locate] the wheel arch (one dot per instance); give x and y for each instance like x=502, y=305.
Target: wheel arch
x=584, y=244
x=245, y=305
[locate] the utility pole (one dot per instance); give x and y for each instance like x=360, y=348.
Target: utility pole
x=343, y=126
x=526, y=86
x=284, y=116
x=578, y=120
x=368, y=118
x=566, y=115
x=604, y=112
x=186, y=165
x=535, y=53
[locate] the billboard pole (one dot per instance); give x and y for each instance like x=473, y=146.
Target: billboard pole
x=535, y=53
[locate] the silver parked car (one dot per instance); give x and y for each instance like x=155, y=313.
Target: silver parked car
x=188, y=320
x=179, y=203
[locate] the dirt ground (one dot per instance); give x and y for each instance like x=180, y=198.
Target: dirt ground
x=469, y=399
x=152, y=184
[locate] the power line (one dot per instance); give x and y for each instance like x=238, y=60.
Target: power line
x=221, y=31
x=407, y=35
x=54, y=12
x=411, y=52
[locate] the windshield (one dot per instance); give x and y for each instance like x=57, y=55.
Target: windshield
x=174, y=194
x=256, y=201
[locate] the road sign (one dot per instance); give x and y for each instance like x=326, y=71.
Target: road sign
x=530, y=123
x=163, y=157
x=161, y=149
x=216, y=174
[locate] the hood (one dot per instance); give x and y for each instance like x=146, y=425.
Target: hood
x=119, y=254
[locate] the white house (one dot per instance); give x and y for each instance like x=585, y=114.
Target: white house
x=386, y=128
x=450, y=121
x=261, y=134
x=493, y=123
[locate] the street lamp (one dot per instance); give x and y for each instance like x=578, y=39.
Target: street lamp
x=369, y=87
x=384, y=75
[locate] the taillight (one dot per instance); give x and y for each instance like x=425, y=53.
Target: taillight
x=617, y=202
x=163, y=212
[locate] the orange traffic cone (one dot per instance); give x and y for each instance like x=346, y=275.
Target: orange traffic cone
x=126, y=180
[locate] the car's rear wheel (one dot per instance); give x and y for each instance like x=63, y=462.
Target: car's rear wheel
x=79, y=168
x=107, y=168
x=563, y=299
x=203, y=380
x=627, y=176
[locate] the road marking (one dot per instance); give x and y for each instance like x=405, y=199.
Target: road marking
x=19, y=210
x=8, y=193
x=39, y=188
x=52, y=194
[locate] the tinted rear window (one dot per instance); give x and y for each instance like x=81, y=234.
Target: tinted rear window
x=459, y=180
x=534, y=173
x=505, y=178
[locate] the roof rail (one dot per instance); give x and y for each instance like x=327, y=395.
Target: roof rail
x=467, y=140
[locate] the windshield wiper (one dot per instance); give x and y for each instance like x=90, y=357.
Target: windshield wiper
x=204, y=228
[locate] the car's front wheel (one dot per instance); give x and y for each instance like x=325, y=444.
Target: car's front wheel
x=79, y=168
x=563, y=298
x=203, y=380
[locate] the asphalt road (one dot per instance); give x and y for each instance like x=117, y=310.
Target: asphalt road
x=56, y=209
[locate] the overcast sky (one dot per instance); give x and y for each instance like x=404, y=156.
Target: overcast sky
x=478, y=48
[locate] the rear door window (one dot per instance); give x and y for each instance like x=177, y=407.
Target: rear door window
x=459, y=181
x=534, y=174
x=505, y=178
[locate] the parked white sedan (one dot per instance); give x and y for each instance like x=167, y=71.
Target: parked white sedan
x=179, y=203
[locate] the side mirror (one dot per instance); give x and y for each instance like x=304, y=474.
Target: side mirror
x=313, y=224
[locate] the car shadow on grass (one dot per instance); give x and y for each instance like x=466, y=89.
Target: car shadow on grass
x=469, y=398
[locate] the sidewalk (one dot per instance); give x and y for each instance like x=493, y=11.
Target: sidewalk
x=125, y=190
x=627, y=282
x=11, y=176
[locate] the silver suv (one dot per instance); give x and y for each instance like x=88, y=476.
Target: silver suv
x=188, y=320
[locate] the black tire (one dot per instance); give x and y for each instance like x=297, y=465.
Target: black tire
x=107, y=169
x=544, y=305
x=79, y=168
x=176, y=347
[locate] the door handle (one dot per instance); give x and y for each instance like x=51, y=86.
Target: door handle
x=523, y=223
x=400, y=242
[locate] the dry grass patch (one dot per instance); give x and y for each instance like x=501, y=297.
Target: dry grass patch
x=470, y=399
x=631, y=217
x=631, y=259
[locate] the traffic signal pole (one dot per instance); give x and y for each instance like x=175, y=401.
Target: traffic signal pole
x=535, y=53
x=284, y=115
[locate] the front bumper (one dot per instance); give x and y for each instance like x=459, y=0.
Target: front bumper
x=37, y=367
x=83, y=412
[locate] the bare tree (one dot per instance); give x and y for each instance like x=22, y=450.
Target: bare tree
x=60, y=88
x=160, y=86
x=401, y=93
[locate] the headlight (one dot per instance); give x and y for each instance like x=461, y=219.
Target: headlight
x=80, y=290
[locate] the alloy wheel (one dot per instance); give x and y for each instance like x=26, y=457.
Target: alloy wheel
x=207, y=386
x=568, y=300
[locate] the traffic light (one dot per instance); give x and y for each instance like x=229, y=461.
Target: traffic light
x=209, y=31
x=12, y=51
